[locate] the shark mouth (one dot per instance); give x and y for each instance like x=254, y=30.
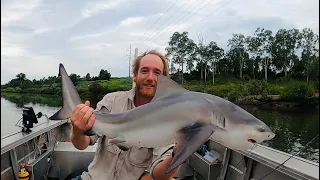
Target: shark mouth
x=252, y=141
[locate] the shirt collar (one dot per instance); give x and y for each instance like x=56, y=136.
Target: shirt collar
x=131, y=93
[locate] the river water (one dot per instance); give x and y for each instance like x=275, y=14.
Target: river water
x=293, y=128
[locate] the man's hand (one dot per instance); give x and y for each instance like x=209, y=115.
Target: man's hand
x=159, y=171
x=82, y=119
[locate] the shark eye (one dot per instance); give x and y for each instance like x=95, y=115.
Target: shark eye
x=261, y=129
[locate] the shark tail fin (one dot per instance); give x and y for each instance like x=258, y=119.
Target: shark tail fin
x=63, y=113
x=70, y=96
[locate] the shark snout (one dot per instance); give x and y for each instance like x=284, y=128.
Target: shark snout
x=268, y=132
x=260, y=136
x=270, y=135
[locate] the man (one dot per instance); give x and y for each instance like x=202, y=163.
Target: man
x=118, y=162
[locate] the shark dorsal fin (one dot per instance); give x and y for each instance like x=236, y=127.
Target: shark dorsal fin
x=167, y=87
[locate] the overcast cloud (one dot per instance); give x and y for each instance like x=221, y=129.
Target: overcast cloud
x=86, y=36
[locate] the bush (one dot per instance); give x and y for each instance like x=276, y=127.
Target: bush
x=298, y=90
x=97, y=89
x=284, y=79
x=246, y=77
x=258, y=87
x=232, y=92
x=275, y=89
x=83, y=90
x=221, y=90
x=237, y=91
x=316, y=85
x=196, y=88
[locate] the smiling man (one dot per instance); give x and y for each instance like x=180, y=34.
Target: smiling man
x=113, y=162
x=146, y=68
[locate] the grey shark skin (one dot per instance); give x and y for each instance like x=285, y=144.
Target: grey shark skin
x=175, y=115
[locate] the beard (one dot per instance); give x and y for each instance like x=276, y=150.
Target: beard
x=145, y=92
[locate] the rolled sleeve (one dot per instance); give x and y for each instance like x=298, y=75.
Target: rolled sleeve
x=93, y=139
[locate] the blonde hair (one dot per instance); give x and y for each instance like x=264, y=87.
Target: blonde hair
x=137, y=60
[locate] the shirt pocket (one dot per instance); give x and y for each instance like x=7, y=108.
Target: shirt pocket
x=140, y=157
x=109, y=153
x=111, y=150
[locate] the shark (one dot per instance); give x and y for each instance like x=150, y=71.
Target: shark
x=175, y=115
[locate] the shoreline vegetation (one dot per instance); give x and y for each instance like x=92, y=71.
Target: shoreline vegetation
x=275, y=69
x=288, y=94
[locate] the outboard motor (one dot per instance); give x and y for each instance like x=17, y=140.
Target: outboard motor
x=29, y=118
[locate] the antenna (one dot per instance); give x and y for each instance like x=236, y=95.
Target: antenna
x=135, y=56
x=130, y=61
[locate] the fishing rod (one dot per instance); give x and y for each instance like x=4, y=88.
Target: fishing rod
x=290, y=157
x=279, y=164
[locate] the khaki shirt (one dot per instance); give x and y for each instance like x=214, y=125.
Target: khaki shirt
x=110, y=161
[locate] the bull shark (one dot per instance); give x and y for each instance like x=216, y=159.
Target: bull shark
x=174, y=116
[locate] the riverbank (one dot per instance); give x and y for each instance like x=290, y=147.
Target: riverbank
x=277, y=101
x=287, y=94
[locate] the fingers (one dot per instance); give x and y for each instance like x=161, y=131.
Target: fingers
x=82, y=117
x=75, y=112
x=79, y=121
x=77, y=109
x=86, y=112
x=91, y=122
x=87, y=103
x=82, y=112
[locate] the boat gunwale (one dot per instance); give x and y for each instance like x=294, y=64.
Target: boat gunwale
x=16, y=139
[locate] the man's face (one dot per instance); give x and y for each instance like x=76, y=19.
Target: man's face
x=146, y=79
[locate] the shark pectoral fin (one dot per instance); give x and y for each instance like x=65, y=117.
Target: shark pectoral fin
x=117, y=140
x=89, y=132
x=62, y=114
x=189, y=141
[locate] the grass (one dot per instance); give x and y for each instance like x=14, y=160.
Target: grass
x=226, y=87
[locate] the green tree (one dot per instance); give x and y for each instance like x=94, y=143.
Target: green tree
x=238, y=47
x=88, y=78
x=214, y=53
x=74, y=78
x=310, y=48
x=180, y=50
x=283, y=49
x=104, y=75
x=201, y=57
x=21, y=78
x=259, y=47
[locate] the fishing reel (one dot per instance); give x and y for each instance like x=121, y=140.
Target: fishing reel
x=29, y=118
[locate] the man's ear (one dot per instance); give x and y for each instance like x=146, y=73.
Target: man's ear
x=134, y=78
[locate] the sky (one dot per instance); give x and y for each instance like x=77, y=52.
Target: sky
x=87, y=36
